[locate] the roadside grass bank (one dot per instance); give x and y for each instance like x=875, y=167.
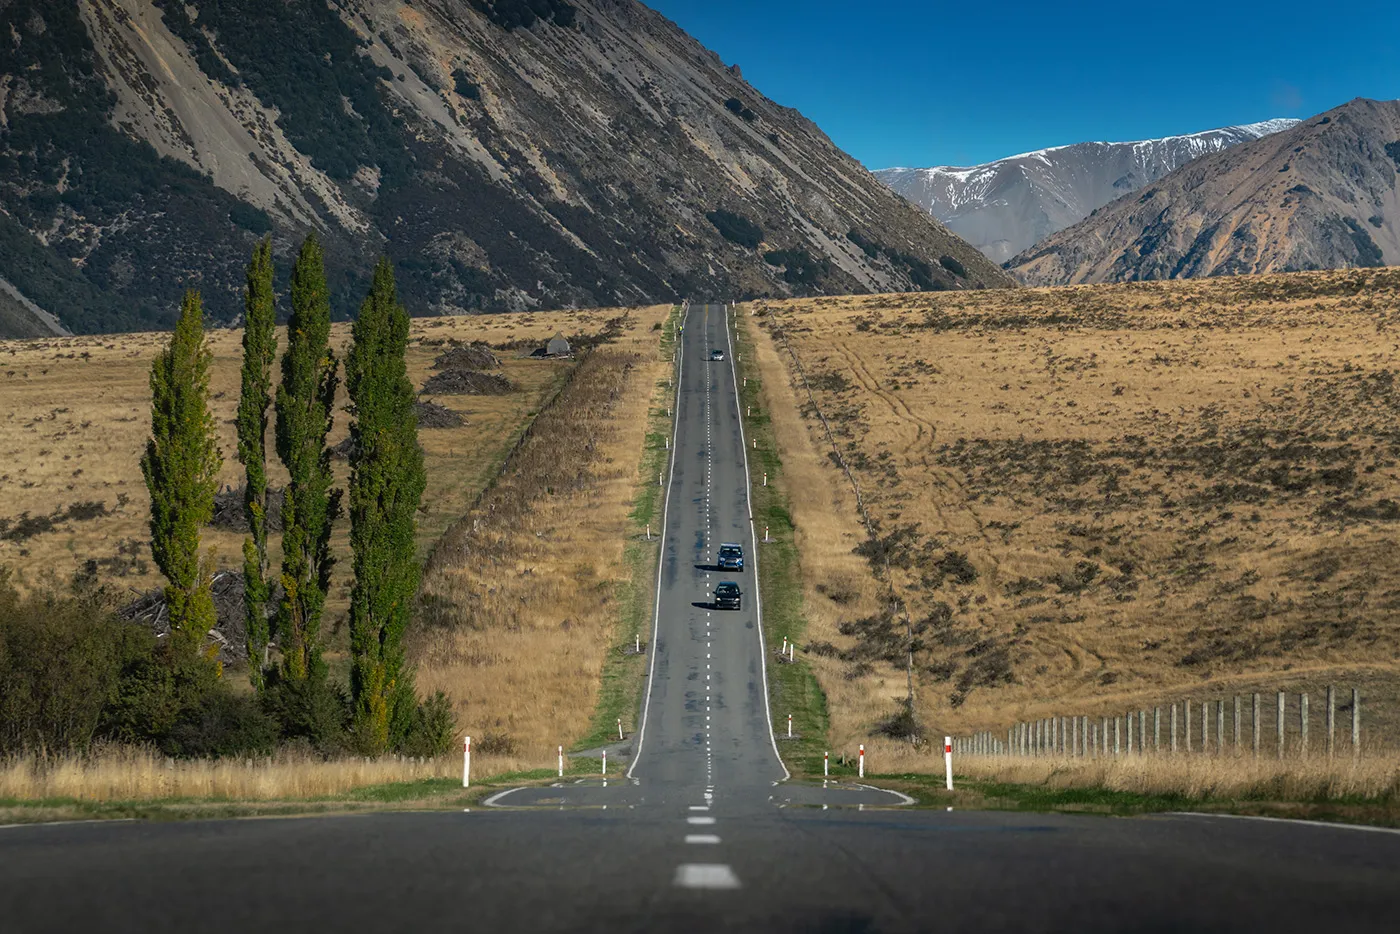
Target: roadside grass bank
x=792, y=685
x=124, y=783
x=625, y=668
x=1362, y=791
x=521, y=598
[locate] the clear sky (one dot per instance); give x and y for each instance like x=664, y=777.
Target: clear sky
x=922, y=82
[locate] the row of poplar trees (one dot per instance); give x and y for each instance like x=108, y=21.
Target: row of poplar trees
x=182, y=462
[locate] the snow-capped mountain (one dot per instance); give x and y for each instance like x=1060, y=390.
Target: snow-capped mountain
x=1003, y=207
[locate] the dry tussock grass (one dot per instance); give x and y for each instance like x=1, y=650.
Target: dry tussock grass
x=1372, y=778
x=126, y=774
x=75, y=415
x=521, y=597
x=1106, y=497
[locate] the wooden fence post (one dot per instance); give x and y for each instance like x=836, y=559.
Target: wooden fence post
x=1331, y=720
x=1174, y=729
x=1278, y=722
x=1157, y=728
x=1205, y=727
x=1237, y=726
x=1142, y=732
x=1186, y=716
x=1356, y=721
x=1130, y=732
x=1117, y=736
x=1303, y=725
x=1256, y=724
x=1220, y=728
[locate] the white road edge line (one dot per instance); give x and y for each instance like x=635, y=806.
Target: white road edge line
x=665, y=517
x=491, y=801
x=903, y=798
x=1288, y=820
x=753, y=544
x=69, y=823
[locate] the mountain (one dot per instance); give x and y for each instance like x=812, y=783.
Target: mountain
x=506, y=154
x=1323, y=195
x=1003, y=207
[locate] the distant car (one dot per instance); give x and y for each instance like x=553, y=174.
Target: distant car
x=731, y=557
x=728, y=596
x=717, y=355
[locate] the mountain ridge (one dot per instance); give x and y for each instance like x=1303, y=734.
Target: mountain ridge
x=1324, y=194
x=1005, y=206
x=503, y=159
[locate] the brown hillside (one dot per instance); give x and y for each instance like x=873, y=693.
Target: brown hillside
x=1322, y=195
x=1095, y=497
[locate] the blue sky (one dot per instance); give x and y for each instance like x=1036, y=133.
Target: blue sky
x=915, y=82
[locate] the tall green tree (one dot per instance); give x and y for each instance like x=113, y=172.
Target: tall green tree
x=254, y=402
x=181, y=467
x=386, y=486
x=305, y=411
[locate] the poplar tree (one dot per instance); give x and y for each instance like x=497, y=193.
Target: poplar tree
x=181, y=468
x=305, y=411
x=386, y=486
x=259, y=352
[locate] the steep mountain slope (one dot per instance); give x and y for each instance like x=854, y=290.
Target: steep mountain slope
x=1323, y=195
x=506, y=154
x=1003, y=207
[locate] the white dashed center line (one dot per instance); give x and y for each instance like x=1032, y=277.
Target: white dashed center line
x=706, y=876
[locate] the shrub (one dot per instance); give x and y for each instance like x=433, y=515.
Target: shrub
x=737, y=108
x=315, y=711
x=1368, y=254
x=953, y=266
x=799, y=267
x=1393, y=150
x=434, y=727
x=736, y=228
x=465, y=86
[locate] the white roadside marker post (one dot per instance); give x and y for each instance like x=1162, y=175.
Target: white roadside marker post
x=619, y=728
x=948, y=760
x=637, y=644
x=561, y=761
x=467, y=762
x=826, y=764
x=862, y=760
x=789, y=726
x=605, y=762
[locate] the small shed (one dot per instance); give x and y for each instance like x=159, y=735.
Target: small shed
x=558, y=347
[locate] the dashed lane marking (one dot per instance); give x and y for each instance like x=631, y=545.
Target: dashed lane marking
x=706, y=876
x=701, y=838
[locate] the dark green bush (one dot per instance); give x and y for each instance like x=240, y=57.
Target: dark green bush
x=736, y=107
x=510, y=14
x=953, y=266
x=314, y=711
x=434, y=727
x=799, y=267
x=465, y=85
x=1393, y=150
x=736, y=228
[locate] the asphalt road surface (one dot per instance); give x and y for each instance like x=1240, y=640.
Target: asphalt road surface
x=704, y=833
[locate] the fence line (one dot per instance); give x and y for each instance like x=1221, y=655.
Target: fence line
x=1081, y=736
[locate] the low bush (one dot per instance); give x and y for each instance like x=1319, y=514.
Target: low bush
x=736, y=228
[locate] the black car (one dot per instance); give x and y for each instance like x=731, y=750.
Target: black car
x=717, y=355
x=728, y=596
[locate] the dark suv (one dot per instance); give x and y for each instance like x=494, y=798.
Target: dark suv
x=731, y=557
x=728, y=596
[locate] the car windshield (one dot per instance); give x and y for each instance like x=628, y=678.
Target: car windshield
x=727, y=588
x=730, y=551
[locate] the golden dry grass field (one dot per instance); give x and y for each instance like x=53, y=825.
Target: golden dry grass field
x=75, y=415
x=524, y=598
x=1094, y=499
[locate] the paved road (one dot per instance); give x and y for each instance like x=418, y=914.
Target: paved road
x=704, y=835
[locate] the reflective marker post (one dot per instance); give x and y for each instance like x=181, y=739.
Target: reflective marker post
x=826, y=764
x=948, y=760
x=467, y=762
x=862, y=760
x=561, y=761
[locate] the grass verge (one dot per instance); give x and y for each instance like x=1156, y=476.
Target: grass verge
x=624, y=669
x=792, y=686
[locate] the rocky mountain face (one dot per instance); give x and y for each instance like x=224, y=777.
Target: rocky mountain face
x=1322, y=195
x=1003, y=207
x=506, y=154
